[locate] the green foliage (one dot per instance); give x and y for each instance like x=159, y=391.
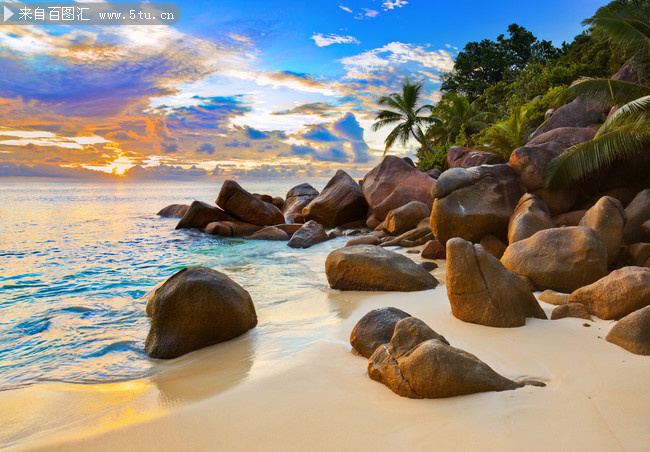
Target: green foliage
x=456, y=115
x=439, y=159
x=486, y=63
x=403, y=112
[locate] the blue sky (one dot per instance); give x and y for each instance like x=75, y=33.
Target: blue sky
x=274, y=88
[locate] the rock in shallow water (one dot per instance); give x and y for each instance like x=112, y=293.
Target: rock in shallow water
x=247, y=207
x=174, y=211
x=308, y=235
x=367, y=267
x=195, y=308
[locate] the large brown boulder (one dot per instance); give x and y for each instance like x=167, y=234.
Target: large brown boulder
x=530, y=216
x=174, y=211
x=639, y=254
x=308, y=235
x=616, y=295
x=472, y=203
x=246, y=207
x=407, y=217
x=493, y=245
x=576, y=310
x=375, y=329
x=367, y=267
x=462, y=157
x=562, y=259
x=417, y=365
x=340, y=202
x=411, y=238
x=607, y=218
x=433, y=249
x=200, y=214
x=632, y=332
x=482, y=291
x=370, y=239
x=528, y=163
x=298, y=198
x=270, y=233
x=637, y=212
x=577, y=113
x=566, y=136
x=393, y=183
x=195, y=308
x=231, y=228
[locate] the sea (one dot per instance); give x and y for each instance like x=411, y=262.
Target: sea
x=79, y=258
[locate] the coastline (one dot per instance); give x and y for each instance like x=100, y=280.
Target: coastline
x=227, y=397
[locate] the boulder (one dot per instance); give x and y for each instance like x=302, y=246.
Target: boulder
x=242, y=205
x=562, y=259
x=290, y=229
x=298, y=198
x=472, y=203
x=393, y=183
x=530, y=216
x=607, y=218
x=375, y=329
x=278, y=202
x=367, y=267
x=577, y=113
x=428, y=265
x=616, y=295
x=341, y=201
x=639, y=254
x=174, y=211
x=370, y=239
x=265, y=198
x=195, y=308
x=553, y=297
x=433, y=249
x=200, y=214
x=434, y=173
x=637, y=212
x=415, y=367
x=632, y=332
x=231, y=228
x=482, y=291
x=270, y=233
x=462, y=157
x=569, y=218
x=308, y=235
x=372, y=222
x=566, y=136
x=576, y=310
x=411, y=238
x=493, y=245
x=405, y=218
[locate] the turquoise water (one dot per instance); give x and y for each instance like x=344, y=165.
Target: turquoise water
x=78, y=258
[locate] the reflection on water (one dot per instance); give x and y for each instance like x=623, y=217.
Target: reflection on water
x=77, y=258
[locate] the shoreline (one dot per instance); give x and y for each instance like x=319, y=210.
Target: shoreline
x=322, y=397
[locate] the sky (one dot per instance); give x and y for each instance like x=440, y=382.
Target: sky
x=263, y=89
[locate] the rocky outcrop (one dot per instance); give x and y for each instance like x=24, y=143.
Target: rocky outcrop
x=632, y=332
x=530, y=216
x=566, y=136
x=639, y=254
x=562, y=259
x=553, y=297
x=607, y=218
x=637, y=212
x=370, y=239
x=393, y=183
x=231, y=228
x=270, y=233
x=195, y=308
x=407, y=217
x=472, y=203
x=462, y=157
x=433, y=249
x=247, y=208
x=482, y=291
x=200, y=214
x=577, y=113
x=414, y=237
x=417, y=364
x=298, y=198
x=174, y=211
x=341, y=201
x=308, y=235
x=493, y=245
x=616, y=295
x=375, y=329
x=570, y=310
x=569, y=218
x=367, y=267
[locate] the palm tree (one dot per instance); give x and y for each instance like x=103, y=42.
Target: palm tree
x=511, y=133
x=627, y=132
x=457, y=114
x=404, y=112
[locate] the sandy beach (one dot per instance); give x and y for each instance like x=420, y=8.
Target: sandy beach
x=237, y=396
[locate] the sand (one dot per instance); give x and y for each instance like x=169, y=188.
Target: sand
x=231, y=397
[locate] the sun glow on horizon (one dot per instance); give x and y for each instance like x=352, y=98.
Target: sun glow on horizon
x=119, y=166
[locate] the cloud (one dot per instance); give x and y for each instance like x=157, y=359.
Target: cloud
x=206, y=148
x=346, y=9
x=326, y=40
x=319, y=133
x=370, y=12
x=165, y=172
x=348, y=127
x=254, y=134
x=392, y=4
x=332, y=154
x=316, y=108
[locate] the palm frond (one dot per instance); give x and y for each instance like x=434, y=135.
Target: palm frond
x=636, y=114
x=607, y=91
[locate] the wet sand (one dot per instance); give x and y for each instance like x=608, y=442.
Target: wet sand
x=234, y=397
